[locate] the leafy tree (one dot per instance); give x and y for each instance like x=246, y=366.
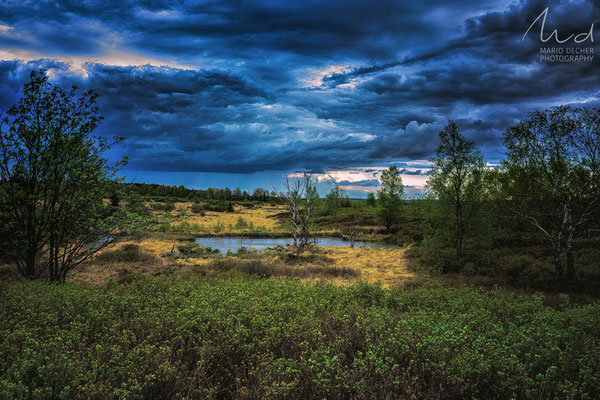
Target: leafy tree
x=390, y=196
x=371, y=200
x=260, y=194
x=210, y=193
x=554, y=165
x=115, y=196
x=456, y=184
x=334, y=200
x=54, y=179
x=180, y=191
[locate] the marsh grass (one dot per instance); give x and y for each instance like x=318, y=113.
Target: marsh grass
x=268, y=267
x=129, y=253
x=312, y=257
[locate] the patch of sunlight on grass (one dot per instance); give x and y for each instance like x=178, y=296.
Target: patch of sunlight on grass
x=242, y=220
x=386, y=266
x=98, y=273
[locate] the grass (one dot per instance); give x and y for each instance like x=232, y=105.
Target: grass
x=517, y=262
x=265, y=221
x=242, y=221
x=265, y=267
x=240, y=338
x=339, y=265
x=127, y=253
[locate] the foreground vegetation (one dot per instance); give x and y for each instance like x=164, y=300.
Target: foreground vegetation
x=245, y=338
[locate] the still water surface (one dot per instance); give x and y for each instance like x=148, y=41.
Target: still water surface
x=260, y=244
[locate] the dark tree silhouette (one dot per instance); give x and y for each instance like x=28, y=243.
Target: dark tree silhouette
x=54, y=180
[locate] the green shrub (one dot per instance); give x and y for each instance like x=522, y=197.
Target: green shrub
x=524, y=270
x=168, y=206
x=234, y=338
x=126, y=254
x=198, y=208
x=220, y=206
x=194, y=250
x=219, y=227
x=241, y=223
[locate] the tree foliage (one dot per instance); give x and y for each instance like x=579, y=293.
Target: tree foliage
x=390, y=196
x=335, y=199
x=554, y=169
x=456, y=184
x=371, y=200
x=53, y=180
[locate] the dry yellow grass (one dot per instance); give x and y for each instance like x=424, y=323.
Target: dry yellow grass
x=260, y=218
x=160, y=248
x=97, y=273
x=385, y=266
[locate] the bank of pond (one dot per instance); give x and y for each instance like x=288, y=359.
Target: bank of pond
x=234, y=243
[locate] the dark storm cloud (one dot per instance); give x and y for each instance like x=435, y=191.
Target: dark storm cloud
x=374, y=29
x=489, y=67
x=210, y=121
x=497, y=36
x=271, y=85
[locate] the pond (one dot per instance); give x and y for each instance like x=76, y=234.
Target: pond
x=260, y=244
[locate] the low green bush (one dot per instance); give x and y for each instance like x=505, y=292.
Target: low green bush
x=168, y=206
x=219, y=227
x=232, y=338
x=198, y=208
x=524, y=270
x=241, y=223
x=127, y=254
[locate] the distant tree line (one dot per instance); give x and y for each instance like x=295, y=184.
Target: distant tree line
x=152, y=191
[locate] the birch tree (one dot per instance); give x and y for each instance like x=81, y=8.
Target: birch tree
x=390, y=196
x=456, y=181
x=554, y=165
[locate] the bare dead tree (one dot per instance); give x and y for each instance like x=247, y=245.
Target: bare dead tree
x=351, y=234
x=299, y=200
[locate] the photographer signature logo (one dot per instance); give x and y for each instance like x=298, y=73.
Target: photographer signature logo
x=582, y=37
x=563, y=53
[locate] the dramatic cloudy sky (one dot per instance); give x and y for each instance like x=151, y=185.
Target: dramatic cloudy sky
x=240, y=93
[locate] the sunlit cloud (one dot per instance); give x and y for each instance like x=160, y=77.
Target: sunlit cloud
x=158, y=15
x=363, y=180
